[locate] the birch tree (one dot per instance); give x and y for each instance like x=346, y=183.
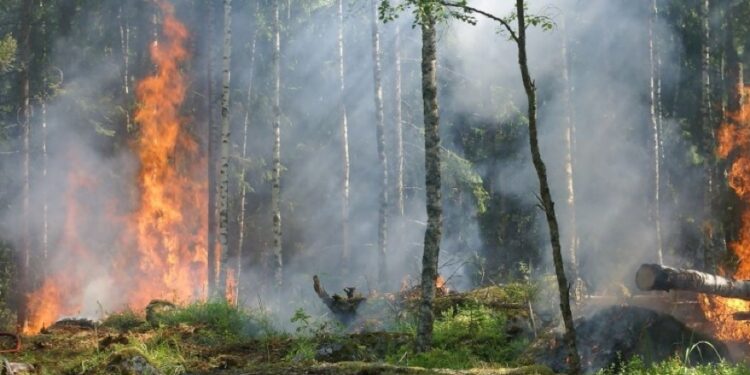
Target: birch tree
x=212, y=189
x=655, y=126
x=223, y=193
x=382, y=158
x=570, y=142
x=24, y=43
x=398, y=122
x=243, y=183
x=344, y=130
x=276, y=167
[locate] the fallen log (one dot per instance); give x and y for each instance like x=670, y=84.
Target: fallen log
x=657, y=277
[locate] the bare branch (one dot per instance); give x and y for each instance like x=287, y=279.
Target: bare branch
x=470, y=9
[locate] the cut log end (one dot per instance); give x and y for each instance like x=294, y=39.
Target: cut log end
x=646, y=277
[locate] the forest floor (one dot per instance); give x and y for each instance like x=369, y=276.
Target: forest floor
x=217, y=338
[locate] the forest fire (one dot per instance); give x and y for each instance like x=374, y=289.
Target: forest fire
x=734, y=139
x=161, y=249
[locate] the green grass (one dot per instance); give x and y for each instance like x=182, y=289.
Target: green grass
x=220, y=319
x=676, y=366
x=466, y=338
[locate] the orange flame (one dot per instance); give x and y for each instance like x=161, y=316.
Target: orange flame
x=60, y=294
x=170, y=222
x=162, y=252
x=734, y=139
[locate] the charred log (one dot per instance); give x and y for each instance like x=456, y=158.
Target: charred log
x=656, y=277
x=344, y=308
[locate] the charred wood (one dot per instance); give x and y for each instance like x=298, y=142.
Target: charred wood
x=343, y=307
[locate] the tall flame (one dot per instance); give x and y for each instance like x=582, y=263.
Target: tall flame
x=170, y=223
x=161, y=251
x=734, y=139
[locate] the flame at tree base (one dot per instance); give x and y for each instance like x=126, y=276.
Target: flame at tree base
x=161, y=250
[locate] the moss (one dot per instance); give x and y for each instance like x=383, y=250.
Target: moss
x=124, y=321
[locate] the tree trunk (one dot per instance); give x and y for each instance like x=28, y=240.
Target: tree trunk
x=433, y=232
x=212, y=140
x=709, y=131
x=399, y=124
x=382, y=158
x=223, y=197
x=344, y=129
x=658, y=277
x=45, y=160
x=25, y=122
x=570, y=139
x=125, y=48
x=655, y=125
x=276, y=169
x=243, y=183
x=547, y=203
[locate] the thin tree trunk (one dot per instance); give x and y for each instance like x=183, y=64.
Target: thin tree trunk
x=45, y=206
x=546, y=195
x=276, y=169
x=433, y=231
x=570, y=139
x=344, y=129
x=125, y=47
x=243, y=183
x=383, y=159
x=223, y=197
x=25, y=122
x=399, y=124
x=212, y=140
x=710, y=225
x=653, y=95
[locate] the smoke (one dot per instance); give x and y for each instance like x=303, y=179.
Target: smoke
x=479, y=81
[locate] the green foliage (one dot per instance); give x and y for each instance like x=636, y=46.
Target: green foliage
x=310, y=331
x=461, y=173
x=8, y=48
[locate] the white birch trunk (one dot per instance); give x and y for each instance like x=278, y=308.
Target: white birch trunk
x=243, y=183
x=276, y=168
x=223, y=197
x=382, y=157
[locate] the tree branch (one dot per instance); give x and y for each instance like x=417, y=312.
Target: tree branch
x=470, y=9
